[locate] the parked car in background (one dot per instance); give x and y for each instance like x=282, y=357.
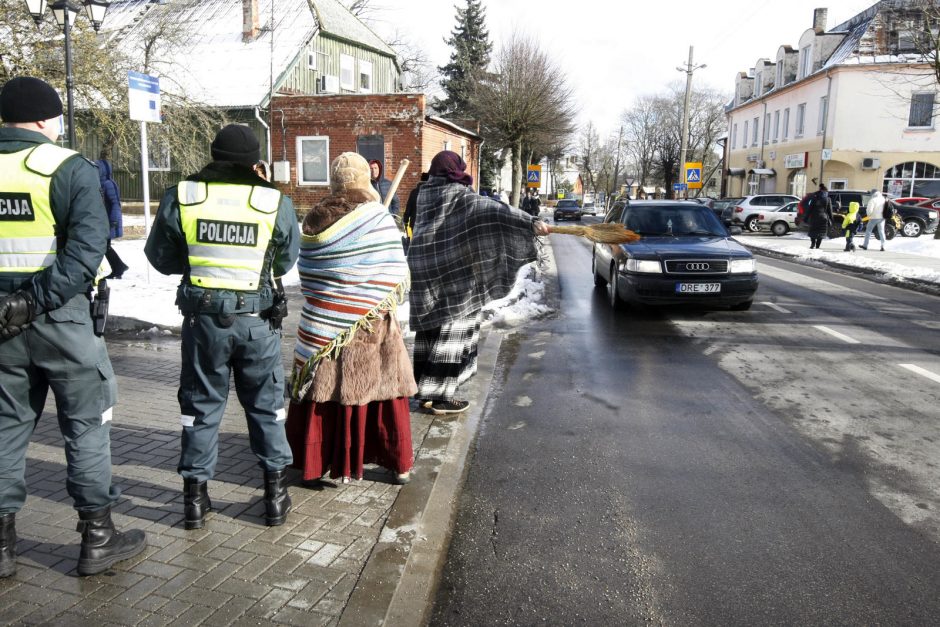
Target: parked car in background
x=567, y=209
x=747, y=210
x=719, y=206
x=685, y=256
x=781, y=220
x=588, y=208
x=919, y=219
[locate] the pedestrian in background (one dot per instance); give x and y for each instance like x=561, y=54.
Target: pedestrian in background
x=465, y=252
x=226, y=230
x=352, y=375
x=849, y=225
x=819, y=217
x=875, y=214
x=112, y=203
x=48, y=265
x=382, y=185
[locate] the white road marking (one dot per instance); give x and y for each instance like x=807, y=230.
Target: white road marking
x=836, y=334
x=922, y=372
x=776, y=306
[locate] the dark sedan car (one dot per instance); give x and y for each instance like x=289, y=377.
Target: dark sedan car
x=685, y=256
x=567, y=210
x=920, y=218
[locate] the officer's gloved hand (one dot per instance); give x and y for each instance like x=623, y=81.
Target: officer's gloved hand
x=17, y=310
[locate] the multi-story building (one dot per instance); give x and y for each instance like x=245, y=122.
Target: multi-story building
x=851, y=107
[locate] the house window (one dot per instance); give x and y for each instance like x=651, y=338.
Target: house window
x=734, y=136
x=806, y=61
x=767, y=129
x=158, y=155
x=779, y=74
x=313, y=160
x=311, y=60
x=786, y=124
x=347, y=66
x=836, y=184
x=758, y=82
x=921, y=115
x=776, y=125
x=365, y=76
x=744, y=137
x=823, y=115
x=754, y=132
x=800, y=119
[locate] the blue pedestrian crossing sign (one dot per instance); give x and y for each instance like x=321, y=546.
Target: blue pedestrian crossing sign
x=693, y=175
x=533, y=177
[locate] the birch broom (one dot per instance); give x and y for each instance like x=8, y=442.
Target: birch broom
x=606, y=233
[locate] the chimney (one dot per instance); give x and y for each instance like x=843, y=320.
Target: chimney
x=819, y=20
x=250, y=23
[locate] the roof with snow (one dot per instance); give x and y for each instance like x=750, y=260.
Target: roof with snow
x=203, y=56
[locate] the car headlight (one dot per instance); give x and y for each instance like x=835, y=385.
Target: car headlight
x=743, y=266
x=647, y=266
x=932, y=215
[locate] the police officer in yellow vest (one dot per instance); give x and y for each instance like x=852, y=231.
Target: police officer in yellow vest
x=226, y=230
x=53, y=235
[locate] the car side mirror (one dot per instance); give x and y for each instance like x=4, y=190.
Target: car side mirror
x=735, y=230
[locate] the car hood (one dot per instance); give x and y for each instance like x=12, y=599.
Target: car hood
x=682, y=246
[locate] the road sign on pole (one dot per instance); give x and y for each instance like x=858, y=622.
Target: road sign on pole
x=533, y=176
x=693, y=175
x=678, y=186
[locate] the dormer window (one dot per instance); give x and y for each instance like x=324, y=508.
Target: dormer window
x=780, y=73
x=806, y=61
x=758, y=84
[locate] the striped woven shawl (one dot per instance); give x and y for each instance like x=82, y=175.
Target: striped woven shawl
x=349, y=274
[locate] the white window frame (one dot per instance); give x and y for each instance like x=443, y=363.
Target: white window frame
x=158, y=155
x=779, y=74
x=744, y=138
x=786, y=124
x=324, y=168
x=933, y=106
x=806, y=61
x=312, y=60
x=734, y=136
x=800, y=120
x=838, y=184
x=776, y=125
x=347, y=72
x=754, y=131
x=823, y=115
x=365, y=71
x=767, y=129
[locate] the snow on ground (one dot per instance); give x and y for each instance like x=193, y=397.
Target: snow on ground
x=146, y=295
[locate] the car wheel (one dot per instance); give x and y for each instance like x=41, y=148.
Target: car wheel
x=742, y=306
x=615, y=303
x=779, y=228
x=751, y=224
x=912, y=228
x=599, y=281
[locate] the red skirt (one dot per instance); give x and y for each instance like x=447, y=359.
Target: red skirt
x=341, y=438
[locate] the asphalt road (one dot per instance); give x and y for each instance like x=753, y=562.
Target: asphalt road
x=724, y=468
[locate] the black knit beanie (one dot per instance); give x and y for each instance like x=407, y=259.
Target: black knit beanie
x=28, y=99
x=236, y=143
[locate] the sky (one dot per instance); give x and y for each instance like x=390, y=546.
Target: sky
x=613, y=50
x=145, y=295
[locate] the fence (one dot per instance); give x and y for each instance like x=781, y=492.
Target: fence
x=131, y=186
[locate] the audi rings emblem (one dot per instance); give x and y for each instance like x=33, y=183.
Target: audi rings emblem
x=699, y=267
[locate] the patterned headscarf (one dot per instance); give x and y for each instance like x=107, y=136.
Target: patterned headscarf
x=450, y=165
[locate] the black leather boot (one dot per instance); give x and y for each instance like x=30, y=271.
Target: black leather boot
x=7, y=545
x=276, y=499
x=196, y=503
x=103, y=545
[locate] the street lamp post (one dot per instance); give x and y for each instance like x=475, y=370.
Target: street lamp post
x=684, y=140
x=65, y=12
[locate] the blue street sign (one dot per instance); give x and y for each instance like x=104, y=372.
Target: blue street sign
x=678, y=186
x=693, y=175
x=143, y=94
x=534, y=176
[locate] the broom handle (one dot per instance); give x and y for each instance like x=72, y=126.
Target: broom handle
x=395, y=182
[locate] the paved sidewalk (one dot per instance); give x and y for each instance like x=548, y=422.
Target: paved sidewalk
x=235, y=571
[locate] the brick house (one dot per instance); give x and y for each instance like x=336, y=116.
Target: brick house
x=311, y=131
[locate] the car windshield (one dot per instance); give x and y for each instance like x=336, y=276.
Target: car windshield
x=567, y=204
x=674, y=220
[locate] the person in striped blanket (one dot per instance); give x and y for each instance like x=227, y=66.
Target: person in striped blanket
x=352, y=375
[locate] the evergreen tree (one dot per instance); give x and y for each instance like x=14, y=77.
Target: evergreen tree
x=470, y=57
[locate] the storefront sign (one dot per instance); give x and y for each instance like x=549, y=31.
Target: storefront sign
x=794, y=161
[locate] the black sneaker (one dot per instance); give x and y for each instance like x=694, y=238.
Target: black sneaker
x=439, y=408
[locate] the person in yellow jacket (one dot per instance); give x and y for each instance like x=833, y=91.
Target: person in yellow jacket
x=227, y=230
x=850, y=226
x=53, y=236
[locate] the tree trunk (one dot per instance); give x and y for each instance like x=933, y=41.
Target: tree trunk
x=516, y=172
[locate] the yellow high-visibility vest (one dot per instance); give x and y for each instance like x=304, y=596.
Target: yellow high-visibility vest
x=27, y=225
x=228, y=228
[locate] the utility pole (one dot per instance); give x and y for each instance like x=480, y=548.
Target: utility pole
x=684, y=140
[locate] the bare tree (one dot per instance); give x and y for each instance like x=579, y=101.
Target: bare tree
x=589, y=156
x=523, y=102
x=640, y=135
